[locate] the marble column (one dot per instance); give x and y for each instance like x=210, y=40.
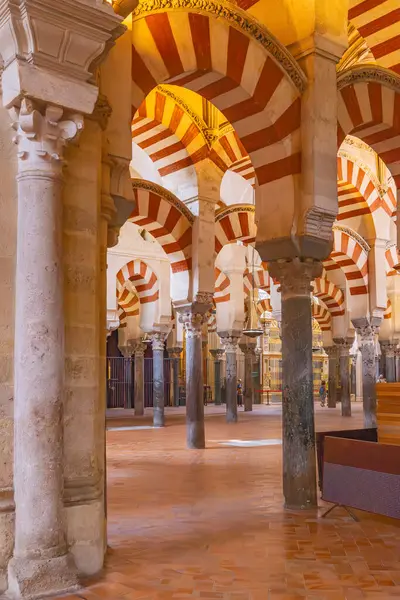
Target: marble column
x=366, y=342
x=230, y=343
x=388, y=351
x=126, y=352
x=332, y=353
x=397, y=360
x=138, y=394
x=344, y=370
x=299, y=461
x=40, y=561
x=353, y=376
x=217, y=355
x=257, y=372
x=175, y=357
x=157, y=342
x=195, y=435
x=248, y=396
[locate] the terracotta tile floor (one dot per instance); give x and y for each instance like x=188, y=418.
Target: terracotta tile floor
x=210, y=524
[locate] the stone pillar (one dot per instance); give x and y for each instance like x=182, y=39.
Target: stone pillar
x=126, y=352
x=230, y=343
x=193, y=323
x=138, y=394
x=248, y=376
x=332, y=353
x=353, y=376
x=175, y=354
x=299, y=464
x=397, y=355
x=40, y=561
x=344, y=364
x=377, y=367
x=366, y=342
x=217, y=355
x=388, y=351
x=257, y=373
x=157, y=343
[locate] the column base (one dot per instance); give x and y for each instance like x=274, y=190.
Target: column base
x=33, y=579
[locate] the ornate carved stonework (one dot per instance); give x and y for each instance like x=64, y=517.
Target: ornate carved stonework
x=175, y=352
x=295, y=276
x=369, y=74
x=237, y=18
x=41, y=137
x=193, y=323
x=318, y=223
x=366, y=335
x=332, y=351
x=217, y=353
x=143, y=184
x=230, y=343
x=157, y=340
x=139, y=348
x=353, y=234
x=343, y=346
x=388, y=349
x=205, y=298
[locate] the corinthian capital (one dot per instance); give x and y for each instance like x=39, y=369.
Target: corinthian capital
x=193, y=323
x=295, y=276
x=157, y=340
x=41, y=136
x=230, y=342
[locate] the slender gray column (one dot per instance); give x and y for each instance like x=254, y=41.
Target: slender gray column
x=195, y=434
x=366, y=342
x=174, y=354
x=397, y=359
x=344, y=369
x=388, y=350
x=299, y=463
x=248, y=378
x=230, y=343
x=332, y=353
x=377, y=367
x=126, y=352
x=157, y=342
x=256, y=381
x=138, y=394
x=40, y=561
x=217, y=355
x=353, y=377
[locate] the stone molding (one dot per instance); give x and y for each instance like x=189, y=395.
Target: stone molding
x=157, y=339
x=50, y=50
x=120, y=178
x=143, y=184
x=223, y=212
x=368, y=74
x=82, y=490
x=295, y=276
x=41, y=136
x=238, y=18
x=318, y=223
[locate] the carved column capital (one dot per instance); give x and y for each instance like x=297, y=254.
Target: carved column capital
x=332, y=351
x=388, y=348
x=41, y=135
x=126, y=351
x=366, y=335
x=248, y=351
x=175, y=352
x=295, y=276
x=217, y=353
x=138, y=348
x=343, y=346
x=193, y=323
x=157, y=340
x=230, y=343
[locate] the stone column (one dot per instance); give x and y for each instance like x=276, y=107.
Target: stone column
x=299, y=464
x=126, y=352
x=332, y=353
x=366, y=342
x=353, y=377
x=138, y=395
x=344, y=358
x=40, y=561
x=388, y=350
x=397, y=355
x=157, y=343
x=230, y=343
x=217, y=355
x=257, y=383
x=248, y=376
x=175, y=354
x=195, y=434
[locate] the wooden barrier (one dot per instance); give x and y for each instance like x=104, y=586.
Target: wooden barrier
x=363, y=475
x=388, y=413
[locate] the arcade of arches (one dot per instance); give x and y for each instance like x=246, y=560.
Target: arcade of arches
x=173, y=172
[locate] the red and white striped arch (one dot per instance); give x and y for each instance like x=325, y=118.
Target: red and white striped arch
x=258, y=95
x=138, y=277
x=331, y=296
x=235, y=223
x=169, y=135
x=228, y=153
x=388, y=312
x=222, y=283
x=369, y=108
x=261, y=280
x=350, y=256
x=358, y=194
x=378, y=22
x=167, y=219
x=322, y=316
